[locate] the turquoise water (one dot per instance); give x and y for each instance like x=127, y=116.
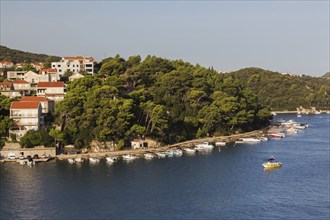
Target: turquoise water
x=230, y=184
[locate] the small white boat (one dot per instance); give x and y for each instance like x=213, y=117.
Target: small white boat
x=247, y=141
x=189, y=150
x=299, y=116
x=79, y=160
x=220, y=143
x=93, y=160
x=22, y=161
x=317, y=113
x=129, y=157
x=71, y=160
x=161, y=154
x=263, y=138
x=276, y=135
x=292, y=131
x=111, y=159
x=169, y=153
x=149, y=156
x=204, y=146
x=177, y=152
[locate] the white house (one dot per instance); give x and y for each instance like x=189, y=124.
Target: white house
x=51, y=74
x=7, y=89
x=51, y=90
x=26, y=116
x=14, y=75
x=21, y=85
x=46, y=104
x=75, y=64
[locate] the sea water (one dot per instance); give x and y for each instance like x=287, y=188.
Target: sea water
x=226, y=184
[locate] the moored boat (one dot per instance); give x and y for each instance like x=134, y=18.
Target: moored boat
x=247, y=141
x=220, y=143
x=177, y=152
x=263, y=138
x=111, y=159
x=93, y=160
x=149, y=156
x=71, y=160
x=160, y=154
x=204, y=146
x=129, y=157
x=79, y=160
x=189, y=151
x=276, y=135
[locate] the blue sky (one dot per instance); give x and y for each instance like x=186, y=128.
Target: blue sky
x=285, y=36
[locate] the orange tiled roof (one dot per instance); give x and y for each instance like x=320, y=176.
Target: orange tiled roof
x=51, y=84
x=34, y=99
x=19, y=81
x=24, y=105
x=9, y=84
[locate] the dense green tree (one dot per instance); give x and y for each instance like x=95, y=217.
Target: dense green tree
x=37, y=138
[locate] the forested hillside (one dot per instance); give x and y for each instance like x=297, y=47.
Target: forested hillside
x=285, y=92
x=168, y=100
x=17, y=56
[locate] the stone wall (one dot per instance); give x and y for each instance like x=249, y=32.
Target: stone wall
x=40, y=151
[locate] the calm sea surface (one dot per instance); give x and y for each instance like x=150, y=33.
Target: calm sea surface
x=230, y=184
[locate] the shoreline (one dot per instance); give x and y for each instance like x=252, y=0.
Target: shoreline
x=140, y=152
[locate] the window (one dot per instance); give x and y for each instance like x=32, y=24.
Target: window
x=58, y=65
x=60, y=70
x=54, y=65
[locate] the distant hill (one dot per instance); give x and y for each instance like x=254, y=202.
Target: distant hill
x=326, y=75
x=280, y=91
x=17, y=56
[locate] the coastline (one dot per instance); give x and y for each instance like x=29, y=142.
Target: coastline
x=140, y=152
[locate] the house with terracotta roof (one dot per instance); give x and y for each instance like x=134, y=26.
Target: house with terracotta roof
x=37, y=66
x=51, y=90
x=7, y=89
x=75, y=64
x=46, y=104
x=21, y=85
x=50, y=73
x=26, y=116
x=6, y=64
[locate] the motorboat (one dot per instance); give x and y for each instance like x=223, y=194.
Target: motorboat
x=292, y=131
x=79, y=160
x=220, y=143
x=177, y=152
x=263, y=138
x=161, y=154
x=276, y=135
x=93, y=160
x=71, y=160
x=247, y=141
x=169, y=153
x=204, y=146
x=111, y=159
x=129, y=157
x=149, y=156
x=189, y=151
x=270, y=165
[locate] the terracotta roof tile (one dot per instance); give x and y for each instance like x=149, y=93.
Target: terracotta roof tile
x=51, y=84
x=24, y=105
x=19, y=81
x=33, y=99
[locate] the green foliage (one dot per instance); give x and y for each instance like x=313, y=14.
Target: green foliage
x=36, y=138
x=284, y=92
x=17, y=56
x=167, y=100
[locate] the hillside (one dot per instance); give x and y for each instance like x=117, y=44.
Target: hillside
x=285, y=92
x=17, y=56
x=326, y=75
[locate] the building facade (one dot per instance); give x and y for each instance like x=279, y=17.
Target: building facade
x=26, y=116
x=51, y=90
x=75, y=64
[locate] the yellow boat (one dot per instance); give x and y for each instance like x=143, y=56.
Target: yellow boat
x=269, y=165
